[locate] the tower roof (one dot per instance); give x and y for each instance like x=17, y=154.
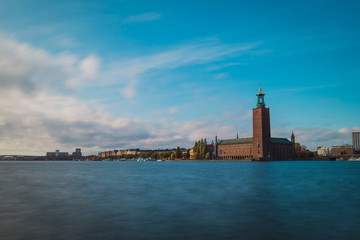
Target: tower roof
x=260, y=102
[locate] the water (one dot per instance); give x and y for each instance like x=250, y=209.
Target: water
x=179, y=200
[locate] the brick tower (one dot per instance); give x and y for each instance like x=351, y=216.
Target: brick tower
x=261, y=129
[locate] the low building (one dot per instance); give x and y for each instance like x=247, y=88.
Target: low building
x=57, y=155
x=342, y=151
x=323, y=151
x=77, y=154
x=192, y=154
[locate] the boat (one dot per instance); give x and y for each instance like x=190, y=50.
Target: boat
x=354, y=159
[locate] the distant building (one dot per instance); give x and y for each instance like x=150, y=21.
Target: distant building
x=77, y=154
x=132, y=151
x=356, y=141
x=261, y=146
x=57, y=155
x=323, y=151
x=119, y=153
x=342, y=151
x=192, y=154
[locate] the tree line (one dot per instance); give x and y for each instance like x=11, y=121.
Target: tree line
x=155, y=155
x=200, y=150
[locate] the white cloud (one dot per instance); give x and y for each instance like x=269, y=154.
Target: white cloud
x=172, y=110
x=33, y=69
x=90, y=66
x=38, y=115
x=128, y=92
x=315, y=137
x=40, y=123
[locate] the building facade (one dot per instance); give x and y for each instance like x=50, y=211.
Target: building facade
x=261, y=146
x=323, y=151
x=356, y=141
x=77, y=154
x=342, y=151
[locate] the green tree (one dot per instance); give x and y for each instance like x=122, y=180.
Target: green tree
x=200, y=149
x=155, y=155
x=166, y=155
x=178, y=152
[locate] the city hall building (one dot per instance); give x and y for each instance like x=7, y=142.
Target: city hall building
x=261, y=146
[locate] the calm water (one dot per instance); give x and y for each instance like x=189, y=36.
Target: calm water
x=179, y=200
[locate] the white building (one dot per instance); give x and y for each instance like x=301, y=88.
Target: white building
x=323, y=151
x=356, y=140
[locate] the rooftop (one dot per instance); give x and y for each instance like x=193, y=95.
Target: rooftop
x=235, y=141
x=250, y=140
x=280, y=140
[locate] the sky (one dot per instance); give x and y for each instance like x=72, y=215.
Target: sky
x=104, y=75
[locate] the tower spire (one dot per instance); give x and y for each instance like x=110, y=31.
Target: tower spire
x=260, y=95
x=292, y=137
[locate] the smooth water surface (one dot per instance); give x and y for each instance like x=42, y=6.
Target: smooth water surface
x=179, y=200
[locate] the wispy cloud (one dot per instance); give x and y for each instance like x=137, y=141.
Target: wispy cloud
x=172, y=110
x=66, y=41
x=315, y=137
x=308, y=88
x=47, y=117
x=129, y=71
x=221, y=75
x=145, y=17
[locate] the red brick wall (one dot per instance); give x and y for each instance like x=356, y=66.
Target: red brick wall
x=345, y=151
x=261, y=132
x=235, y=151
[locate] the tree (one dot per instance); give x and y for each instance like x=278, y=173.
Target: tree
x=167, y=154
x=155, y=155
x=178, y=152
x=200, y=149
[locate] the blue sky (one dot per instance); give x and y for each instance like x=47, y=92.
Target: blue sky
x=152, y=74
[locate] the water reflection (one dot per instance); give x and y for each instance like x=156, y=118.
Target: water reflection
x=179, y=200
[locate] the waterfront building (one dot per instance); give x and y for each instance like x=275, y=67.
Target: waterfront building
x=342, y=151
x=323, y=151
x=77, y=154
x=356, y=141
x=192, y=153
x=132, y=151
x=57, y=153
x=261, y=146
